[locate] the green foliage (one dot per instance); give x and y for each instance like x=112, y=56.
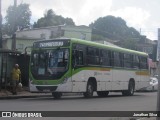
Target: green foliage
x=17, y=17
x=115, y=28
x=97, y=37
x=128, y=43
x=51, y=19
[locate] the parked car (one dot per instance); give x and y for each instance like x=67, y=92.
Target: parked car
x=153, y=85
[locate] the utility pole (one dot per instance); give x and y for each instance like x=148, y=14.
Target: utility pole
x=14, y=27
x=0, y=45
x=0, y=26
x=158, y=56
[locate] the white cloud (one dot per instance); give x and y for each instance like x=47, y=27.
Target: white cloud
x=93, y=10
x=4, y=6
x=136, y=17
x=83, y=12
x=139, y=19
x=152, y=35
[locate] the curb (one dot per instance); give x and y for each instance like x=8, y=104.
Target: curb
x=34, y=96
x=17, y=97
x=22, y=94
x=26, y=96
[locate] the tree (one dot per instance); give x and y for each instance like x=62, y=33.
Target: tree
x=51, y=19
x=129, y=43
x=115, y=28
x=17, y=17
x=69, y=21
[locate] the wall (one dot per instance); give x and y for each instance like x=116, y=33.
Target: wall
x=24, y=43
x=38, y=33
x=80, y=32
x=35, y=33
x=21, y=44
x=26, y=38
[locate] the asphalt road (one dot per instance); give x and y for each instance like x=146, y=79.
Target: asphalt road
x=141, y=101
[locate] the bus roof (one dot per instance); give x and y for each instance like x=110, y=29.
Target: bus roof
x=99, y=45
x=115, y=48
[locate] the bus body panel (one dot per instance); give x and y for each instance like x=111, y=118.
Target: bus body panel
x=67, y=86
x=121, y=78
x=144, y=79
x=79, y=81
x=103, y=79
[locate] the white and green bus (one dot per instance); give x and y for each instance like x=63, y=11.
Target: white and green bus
x=73, y=65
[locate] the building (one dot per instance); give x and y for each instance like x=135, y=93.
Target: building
x=26, y=37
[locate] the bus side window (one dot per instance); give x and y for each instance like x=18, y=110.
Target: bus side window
x=117, y=59
x=93, y=56
x=80, y=58
x=143, y=63
x=135, y=62
x=127, y=61
x=77, y=58
x=105, y=57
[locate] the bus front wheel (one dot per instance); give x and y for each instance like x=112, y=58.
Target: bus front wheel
x=57, y=95
x=89, y=90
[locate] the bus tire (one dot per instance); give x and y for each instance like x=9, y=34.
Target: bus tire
x=89, y=90
x=56, y=95
x=102, y=93
x=130, y=90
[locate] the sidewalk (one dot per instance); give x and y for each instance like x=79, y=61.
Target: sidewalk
x=23, y=93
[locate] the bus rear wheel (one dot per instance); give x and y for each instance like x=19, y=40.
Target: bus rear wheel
x=89, y=90
x=102, y=93
x=57, y=95
x=130, y=90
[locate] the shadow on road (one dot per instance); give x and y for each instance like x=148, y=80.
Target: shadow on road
x=80, y=97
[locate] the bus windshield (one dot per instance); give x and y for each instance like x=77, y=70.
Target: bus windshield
x=49, y=64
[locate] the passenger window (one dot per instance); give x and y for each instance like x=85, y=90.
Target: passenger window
x=105, y=58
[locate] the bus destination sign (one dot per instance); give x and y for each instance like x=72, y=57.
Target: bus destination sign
x=51, y=44
x=45, y=44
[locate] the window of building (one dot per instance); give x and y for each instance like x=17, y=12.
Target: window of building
x=83, y=36
x=52, y=34
x=20, y=46
x=43, y=36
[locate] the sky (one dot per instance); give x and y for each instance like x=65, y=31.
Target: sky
x=143, y=15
